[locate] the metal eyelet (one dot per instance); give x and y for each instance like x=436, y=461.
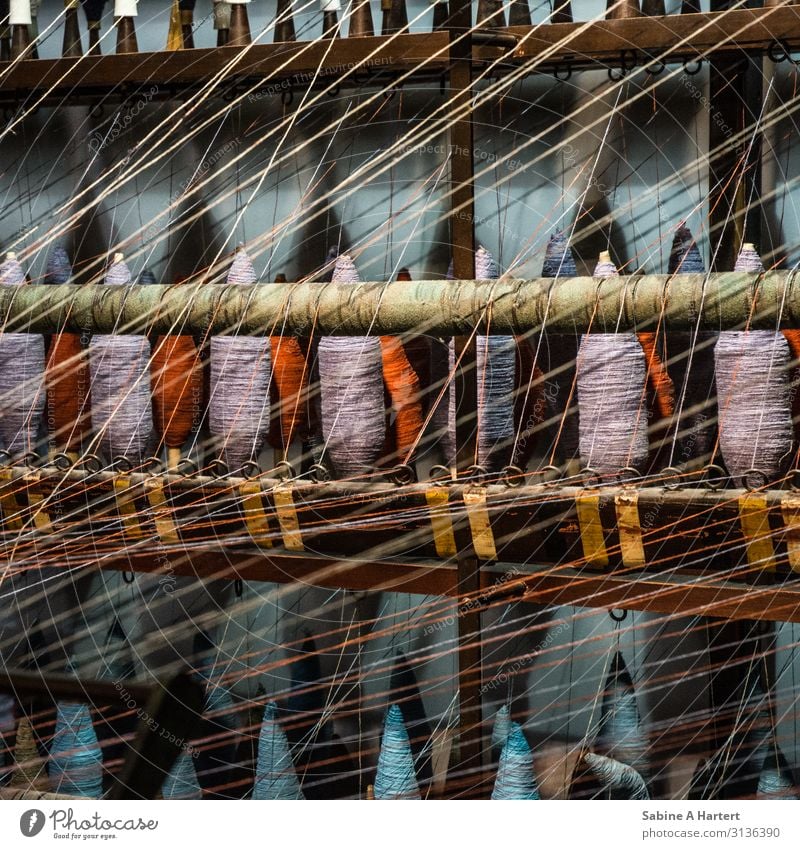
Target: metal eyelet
x=402, y=474
x=62, y=462
x=284, y=470
x=91, y=463
x=476, y=472
x=319, y=473
x=152, y=465
x=186, y=466
x=121, y=464
x=621, y=617
x=670, y=472
x=512, y=476
x=250, y=469
x=218, y=468
x=5, y=458
x=30, y=458
x=591, y=477
x=778, y=51
x=439, y=473
x=693, y=71
x=713, y=477
x=628, y=474
x=755, y=479
x=568, y=73
x=794, y=479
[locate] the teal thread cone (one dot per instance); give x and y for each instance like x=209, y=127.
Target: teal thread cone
x=275, y=774
x=76, y=762
x=515, y=778
x=182, y=783
x=395, y=778
x=501, y=728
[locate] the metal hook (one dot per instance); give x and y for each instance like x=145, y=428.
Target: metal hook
x=618, y=617
x=656, y=68
x=128, y=576
x=625, y=67
x=556, y=71
x=778, y=51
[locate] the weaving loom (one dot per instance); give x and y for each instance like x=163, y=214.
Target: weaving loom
x=390, y=419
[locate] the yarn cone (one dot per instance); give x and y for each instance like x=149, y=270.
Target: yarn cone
x=619, y=780
x=620, y=735
x=76, y=763
x=29, y=772
x=239, y=388
x=119, y=366
x=22, y=366
x=775, y=780
x=67, y=373
x=611, y=375
x=395, y=777
x=405, y=693
x=753, y=373
x=275, y=774
x=515, y=778
x=351, y=388
x=182, y=783
x=501, y=728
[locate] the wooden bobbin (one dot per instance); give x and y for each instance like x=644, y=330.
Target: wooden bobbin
x=239, y=34
x=284, y=26
x=71, y=45
x=361, y=20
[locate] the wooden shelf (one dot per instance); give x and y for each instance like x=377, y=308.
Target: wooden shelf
x=381, y=59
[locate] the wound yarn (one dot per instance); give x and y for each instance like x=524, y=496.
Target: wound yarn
x=275, y=773
x=351, y=387
x=620, y=780
x=515, y=777
x=181, y=782
x=119, y=366
x=753, y=384
x=239, y=386
x=22, y=366
x=611, y=373
x=395, y=777
x=76, y=762
x=67, y=373
x=501, y=727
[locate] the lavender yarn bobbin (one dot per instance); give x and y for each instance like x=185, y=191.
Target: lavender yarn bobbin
x=351, y=387
x=119, y=367
x=238, y=409
x=611, y=390
x=21, y=376
x=753, y=384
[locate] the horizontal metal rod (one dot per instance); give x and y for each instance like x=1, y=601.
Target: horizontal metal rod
x=720, y=301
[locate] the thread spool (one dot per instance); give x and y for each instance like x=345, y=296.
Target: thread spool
x=619, y=780
x=351, y=389
x=395, y=17
x=119, y=366
x=93, y=9
x=33, y=30
x=360, y=20
x=29, y=773
x=239, y=29
x=67, y=374
x=22, y=365
x=76, y=762
x=395, y=777
x=176, y=376
x=753, y=384
x=490, y=14
x=276, y=778
x=174, y=33
x=403, y=386
x=182, y=783
x=519, y=14
x=501, y=728
x=5, y=32
x=124, y=12
x=284, y=22
x=440, y=15
x=563, y=353
x=561, y=12
x=239, y=384
x=330, y=18
x=515, y=778
x=620, y=735
x=186, y=13
x=222, y=21
x=20, y=21
x=611, y=373
x=775, y=781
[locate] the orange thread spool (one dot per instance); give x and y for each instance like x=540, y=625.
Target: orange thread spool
x=177, y=381
x=793, y=338
x=659, y=383
x=67, y=379
x=403, y=384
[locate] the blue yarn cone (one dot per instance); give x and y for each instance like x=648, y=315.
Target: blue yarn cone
x=620, y=734
x=775, y=780
x=501, y=728
x=76, y=762
x=59, y=268
x=395, y=778
x=515, y=778
x=618, y=779
x=684, y=257
x=275, y=774
x=182, y=783
x=558, y=258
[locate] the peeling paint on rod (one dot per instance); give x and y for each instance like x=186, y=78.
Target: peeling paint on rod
x=722, y=301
